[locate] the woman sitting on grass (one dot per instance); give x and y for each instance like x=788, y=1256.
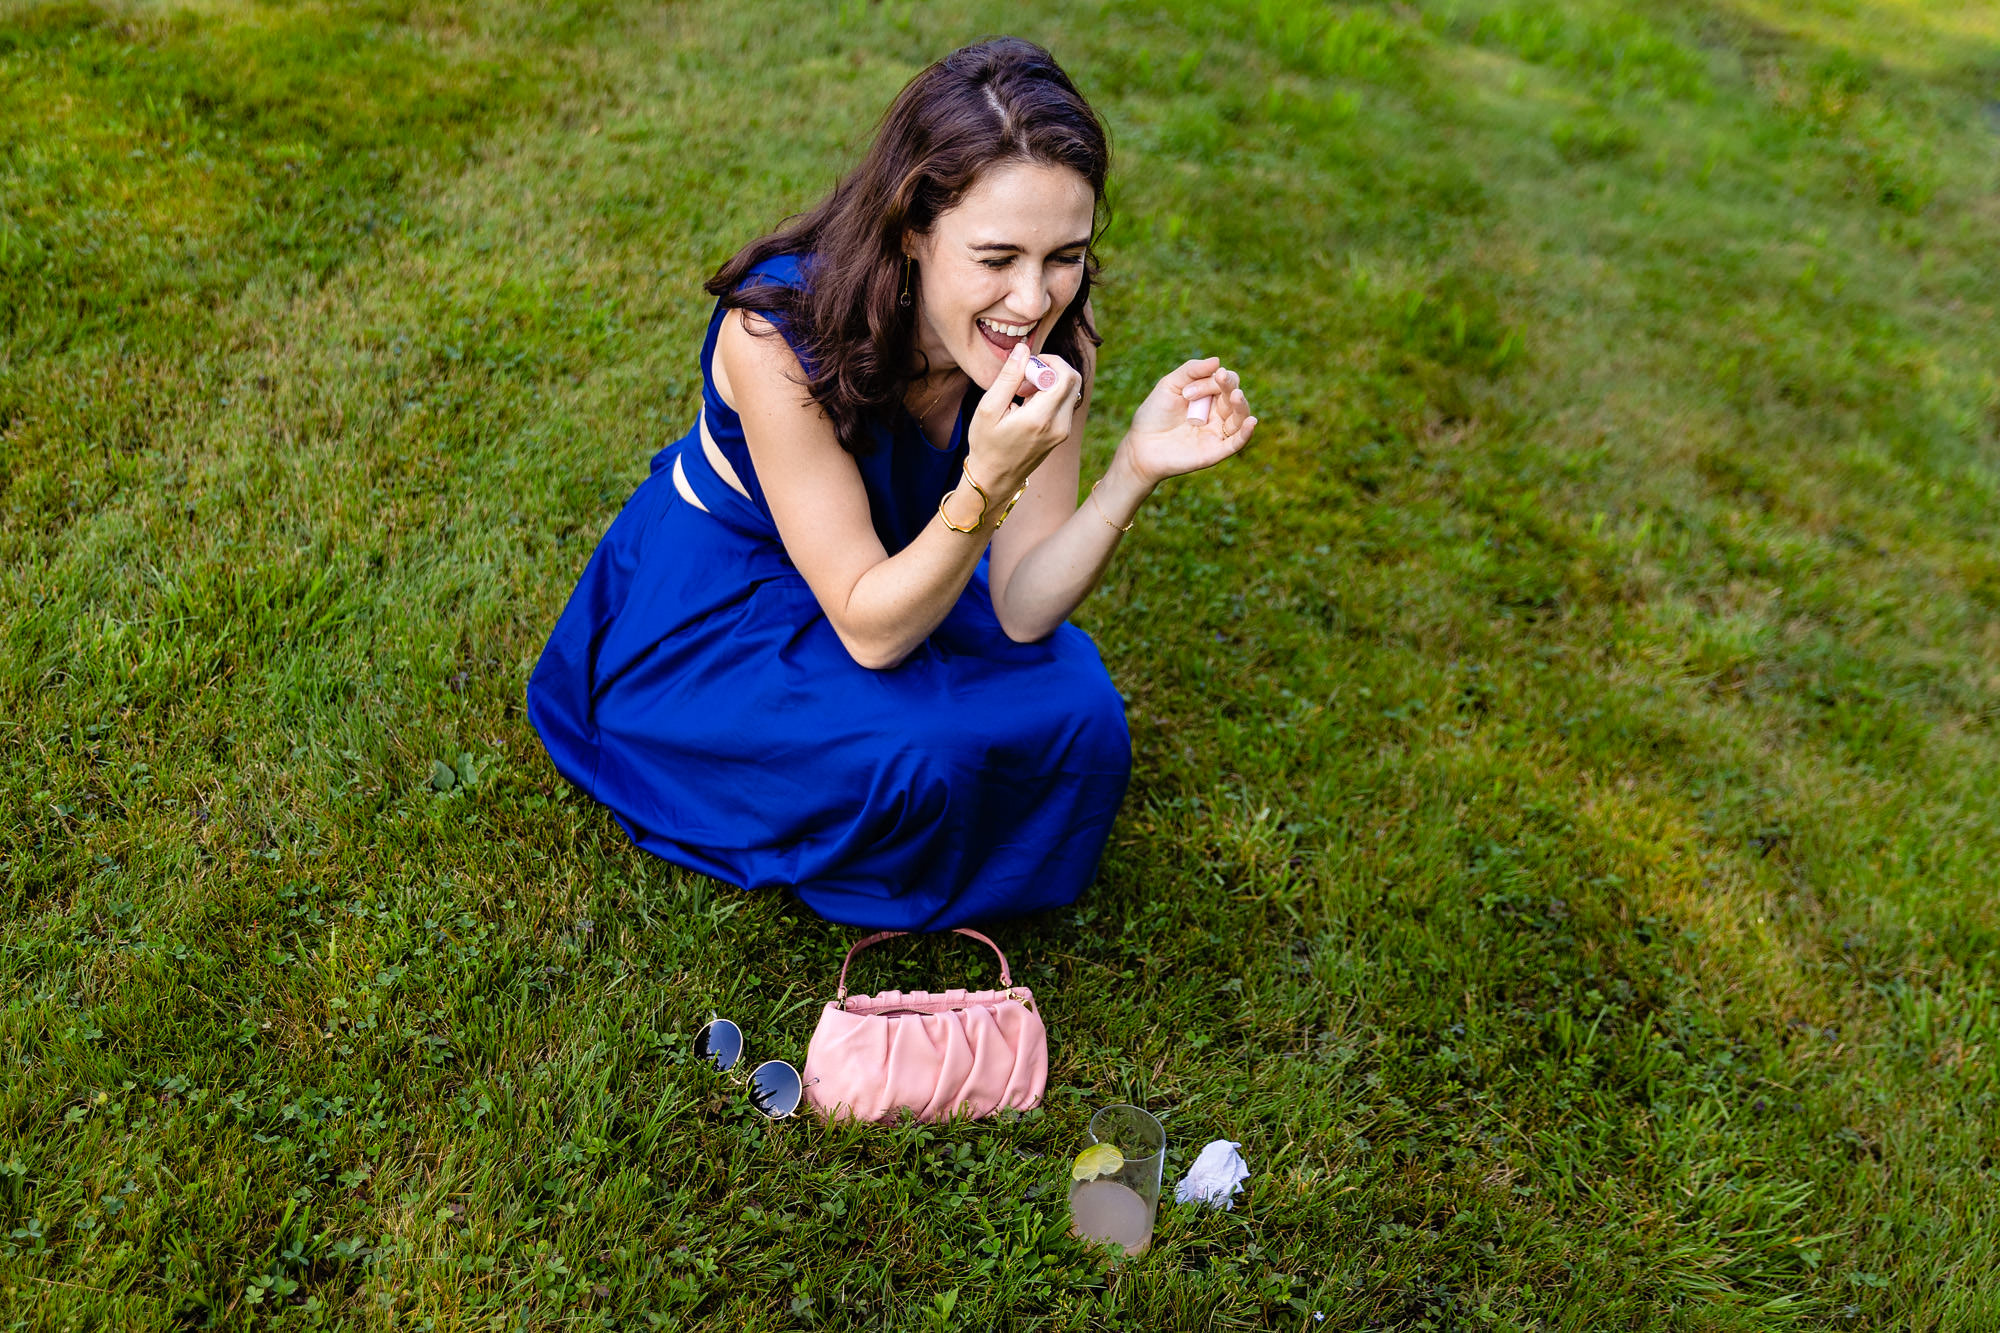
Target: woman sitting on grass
x=808, y=652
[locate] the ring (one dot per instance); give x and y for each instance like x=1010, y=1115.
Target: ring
x=1077, y=399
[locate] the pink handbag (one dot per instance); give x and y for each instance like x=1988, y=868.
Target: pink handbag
x=956, y=1052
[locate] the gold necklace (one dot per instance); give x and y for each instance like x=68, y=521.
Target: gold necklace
x=937, y=397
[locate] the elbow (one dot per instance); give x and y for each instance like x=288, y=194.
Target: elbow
x=872, y=655
x=878, y=661
x=873, y=648
x=1025, y=633
x=1028, y=629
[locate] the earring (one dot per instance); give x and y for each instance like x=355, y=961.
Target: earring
x=905, y=299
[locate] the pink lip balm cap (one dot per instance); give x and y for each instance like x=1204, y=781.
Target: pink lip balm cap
x=1198, y=409
x=1041, y=375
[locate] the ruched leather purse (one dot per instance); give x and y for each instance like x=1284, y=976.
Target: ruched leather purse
x=955, y=1052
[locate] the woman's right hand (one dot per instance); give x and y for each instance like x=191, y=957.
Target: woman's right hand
x=1007, y=441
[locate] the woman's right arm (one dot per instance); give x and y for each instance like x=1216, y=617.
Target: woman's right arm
x=881, y=606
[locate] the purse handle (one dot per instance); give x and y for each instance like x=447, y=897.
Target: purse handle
x=1006, y=981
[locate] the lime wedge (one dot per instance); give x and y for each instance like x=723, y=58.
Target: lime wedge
x=1100, y=1159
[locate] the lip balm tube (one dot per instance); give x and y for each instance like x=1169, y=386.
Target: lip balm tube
x=1039, y=374
x=1198, y=410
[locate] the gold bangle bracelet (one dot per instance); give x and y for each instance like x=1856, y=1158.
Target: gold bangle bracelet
x=1100, y=508
x=1010, y=506
x=983, y=498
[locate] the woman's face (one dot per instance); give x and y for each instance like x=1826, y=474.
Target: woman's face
x=1002, y=265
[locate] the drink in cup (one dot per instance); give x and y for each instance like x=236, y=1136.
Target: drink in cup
x=1114, y=1190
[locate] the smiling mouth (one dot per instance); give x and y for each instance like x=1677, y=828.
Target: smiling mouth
x=1002, y=337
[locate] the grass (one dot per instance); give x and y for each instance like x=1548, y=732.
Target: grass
x=1562, y=841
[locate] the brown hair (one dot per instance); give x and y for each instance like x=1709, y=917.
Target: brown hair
x=1003, y=100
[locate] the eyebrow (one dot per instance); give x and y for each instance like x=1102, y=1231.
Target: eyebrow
x=1011, y=248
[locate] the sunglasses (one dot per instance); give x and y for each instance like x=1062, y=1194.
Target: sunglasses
x=775, y=1087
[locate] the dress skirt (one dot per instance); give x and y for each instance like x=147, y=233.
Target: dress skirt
x=694, y=686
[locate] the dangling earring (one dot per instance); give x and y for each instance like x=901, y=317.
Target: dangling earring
x=905, y=299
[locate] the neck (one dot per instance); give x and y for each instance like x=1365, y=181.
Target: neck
x=927, y=392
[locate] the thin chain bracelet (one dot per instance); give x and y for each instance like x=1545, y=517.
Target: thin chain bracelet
x=1100, y=508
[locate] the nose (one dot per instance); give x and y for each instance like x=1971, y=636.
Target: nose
x=1029, y=296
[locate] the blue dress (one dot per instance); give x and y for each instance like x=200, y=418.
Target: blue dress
x=695, y=687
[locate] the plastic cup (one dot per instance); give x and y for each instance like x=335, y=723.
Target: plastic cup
x=1119, y=1208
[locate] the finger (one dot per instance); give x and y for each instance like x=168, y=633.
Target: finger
x=1226, y=406
x=1222, y=382
x=1211, y=418
x=1228, y=446
x=1202, y=397
x=1054, y=371
x=1235, y=408
x=1045, y=371
x=1189, y=371
x=1042, y=408
x=1065, y=421
x=1009, y=382
x=1068, y=398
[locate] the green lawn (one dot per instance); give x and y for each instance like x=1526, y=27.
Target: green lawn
x=1566, y=810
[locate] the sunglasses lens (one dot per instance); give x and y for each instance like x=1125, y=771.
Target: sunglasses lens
x=775, y=1089
x=720, y=1043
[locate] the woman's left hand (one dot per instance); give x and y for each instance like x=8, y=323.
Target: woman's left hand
x=1164, y=443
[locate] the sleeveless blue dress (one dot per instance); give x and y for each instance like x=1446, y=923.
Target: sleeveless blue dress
x=694, y=686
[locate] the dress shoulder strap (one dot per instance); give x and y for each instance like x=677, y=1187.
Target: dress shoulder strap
x=779, y=270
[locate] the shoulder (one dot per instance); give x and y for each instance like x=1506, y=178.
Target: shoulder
x=752, y=358
x=757, y=350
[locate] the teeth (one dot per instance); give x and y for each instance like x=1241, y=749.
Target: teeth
x=1008, y=330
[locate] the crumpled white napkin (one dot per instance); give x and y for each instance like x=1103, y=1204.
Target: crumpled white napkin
x=1215, y=1176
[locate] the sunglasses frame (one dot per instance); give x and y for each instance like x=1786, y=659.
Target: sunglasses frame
x=749, y=1079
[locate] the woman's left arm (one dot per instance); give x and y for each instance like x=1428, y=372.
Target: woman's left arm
x=1052, y=551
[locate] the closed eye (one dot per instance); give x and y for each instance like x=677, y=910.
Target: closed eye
x=1070, y=260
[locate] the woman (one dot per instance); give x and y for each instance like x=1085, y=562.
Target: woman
x=807, y=652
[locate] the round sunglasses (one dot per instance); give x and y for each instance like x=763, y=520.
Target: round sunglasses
x=775, y=1087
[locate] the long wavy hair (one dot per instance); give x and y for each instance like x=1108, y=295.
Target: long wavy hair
x=999, y=101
